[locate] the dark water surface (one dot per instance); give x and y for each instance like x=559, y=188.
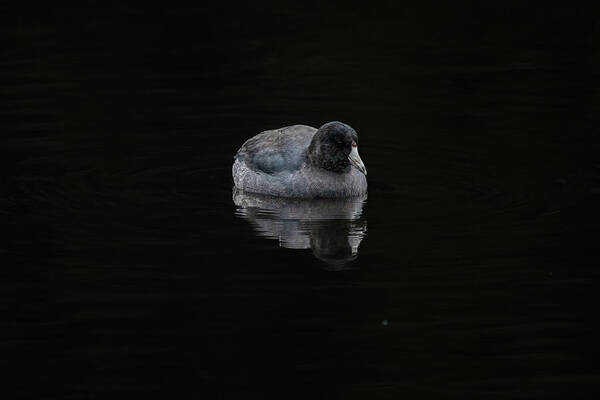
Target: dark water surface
x=130, y=270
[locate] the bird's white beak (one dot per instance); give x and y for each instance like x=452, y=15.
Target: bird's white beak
x=356, y=161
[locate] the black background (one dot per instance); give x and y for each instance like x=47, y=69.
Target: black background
x=126, y=271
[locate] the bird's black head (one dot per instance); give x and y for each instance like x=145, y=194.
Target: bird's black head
x=334, y=148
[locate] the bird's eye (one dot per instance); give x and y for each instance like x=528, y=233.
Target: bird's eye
x=354, y=144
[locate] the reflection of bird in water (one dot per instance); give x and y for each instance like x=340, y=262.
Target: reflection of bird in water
x=336, y=242
x=332, y=228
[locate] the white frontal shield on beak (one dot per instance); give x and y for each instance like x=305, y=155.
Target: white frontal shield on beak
x=355, y=159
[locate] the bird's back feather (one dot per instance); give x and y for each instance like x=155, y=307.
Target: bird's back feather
x=277, y=150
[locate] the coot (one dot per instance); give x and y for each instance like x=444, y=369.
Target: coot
x=300, y=161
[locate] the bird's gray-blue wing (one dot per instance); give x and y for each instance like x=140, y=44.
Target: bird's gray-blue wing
x=277, y=150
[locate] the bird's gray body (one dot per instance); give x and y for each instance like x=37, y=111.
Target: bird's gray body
x=274, y=162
